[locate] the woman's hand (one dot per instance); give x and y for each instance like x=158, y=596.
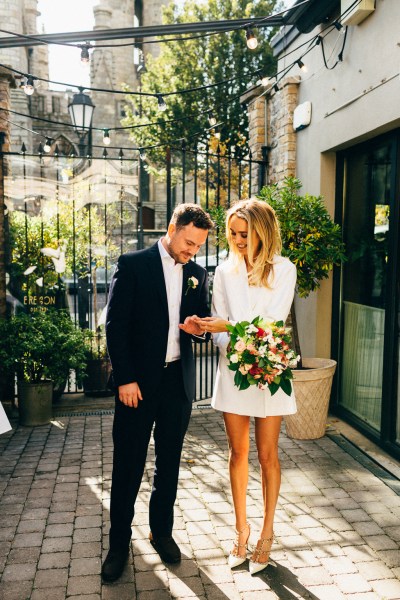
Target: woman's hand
x=212, y=324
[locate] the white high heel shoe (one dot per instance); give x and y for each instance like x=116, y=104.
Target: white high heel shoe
x=263, y=547
x=234, y=559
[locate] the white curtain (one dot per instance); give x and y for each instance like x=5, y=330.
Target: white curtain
x=362, y=361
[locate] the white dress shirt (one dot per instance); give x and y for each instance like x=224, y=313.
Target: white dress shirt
x=173, y=283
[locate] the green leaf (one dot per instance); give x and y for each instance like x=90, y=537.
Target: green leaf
x=244, y=384
x=286, y=386
x=273, y=388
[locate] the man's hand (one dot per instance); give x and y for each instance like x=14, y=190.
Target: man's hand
x=130, y=394
x=191, y=326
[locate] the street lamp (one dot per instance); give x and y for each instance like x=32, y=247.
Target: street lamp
x=81, y=112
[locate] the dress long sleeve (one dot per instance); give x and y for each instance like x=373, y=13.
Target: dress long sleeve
x=219, y=308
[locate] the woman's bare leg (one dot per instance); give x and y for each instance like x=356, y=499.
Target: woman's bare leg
x=267, y=434
x=237, y=431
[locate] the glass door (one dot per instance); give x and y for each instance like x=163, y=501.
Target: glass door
x=367, y=221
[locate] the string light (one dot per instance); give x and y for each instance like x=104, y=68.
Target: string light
x=106, y=137
x=142, y=154
x=302, y=66
x=29, y=85
x=161, y=103
x=47, y=145
x=339, y=27
x=265, y=81
x=211, y=118
x=251, y=40
x=85, y=56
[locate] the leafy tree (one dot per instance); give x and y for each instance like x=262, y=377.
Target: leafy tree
x=198, y=62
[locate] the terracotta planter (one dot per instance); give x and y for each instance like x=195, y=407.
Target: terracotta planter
x=312, y=387
x=35, y=403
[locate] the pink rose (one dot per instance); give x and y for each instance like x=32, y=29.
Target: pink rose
x=240, y=346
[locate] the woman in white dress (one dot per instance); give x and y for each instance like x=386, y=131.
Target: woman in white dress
x=254, y=281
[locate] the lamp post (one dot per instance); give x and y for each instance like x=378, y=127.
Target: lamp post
x=81, y=112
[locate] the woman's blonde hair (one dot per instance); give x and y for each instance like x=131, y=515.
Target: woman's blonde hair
x=260, y=217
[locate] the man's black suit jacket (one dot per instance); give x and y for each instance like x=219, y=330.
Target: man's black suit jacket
x=137, y=320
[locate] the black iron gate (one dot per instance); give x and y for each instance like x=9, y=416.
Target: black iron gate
x=68, y=219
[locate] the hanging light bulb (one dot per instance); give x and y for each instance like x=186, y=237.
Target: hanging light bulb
x=211, y=118
x=85, y=56
x=29, y=85
x=251, y=40
x=302, y=66
x=106, y=137
x=218, y=135
x=142, y=154
x=161, y=103
x=265, y=81
x=47, y=145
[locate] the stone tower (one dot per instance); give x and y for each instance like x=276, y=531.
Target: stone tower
x=114, y=66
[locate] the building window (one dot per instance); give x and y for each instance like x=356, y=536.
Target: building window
x=55, y=104
x=40, y=104
x=121, y=112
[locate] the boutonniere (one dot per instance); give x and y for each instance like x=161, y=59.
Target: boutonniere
x=192, y=283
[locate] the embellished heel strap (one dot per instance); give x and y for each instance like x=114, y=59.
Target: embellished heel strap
x=263, y=547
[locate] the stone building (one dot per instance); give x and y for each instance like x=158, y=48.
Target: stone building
x=110, y=68
x=337, y=128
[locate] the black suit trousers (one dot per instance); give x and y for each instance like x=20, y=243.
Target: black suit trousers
x=168, y=411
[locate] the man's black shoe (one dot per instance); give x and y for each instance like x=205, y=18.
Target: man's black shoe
x=167, y=548
x=114, y=565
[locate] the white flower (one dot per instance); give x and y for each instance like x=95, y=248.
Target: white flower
x=192, y=283
x=251, y=329
x=234, y=358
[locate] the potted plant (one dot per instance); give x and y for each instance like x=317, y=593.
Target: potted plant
x=42, y=348
x=313, y=242
x=98, y=366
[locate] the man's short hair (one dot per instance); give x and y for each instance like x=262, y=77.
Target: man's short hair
x=184, y=214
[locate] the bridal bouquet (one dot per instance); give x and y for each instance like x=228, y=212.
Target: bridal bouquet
x=259, y=352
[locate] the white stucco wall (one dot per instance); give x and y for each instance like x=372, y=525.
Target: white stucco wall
x=356, y=101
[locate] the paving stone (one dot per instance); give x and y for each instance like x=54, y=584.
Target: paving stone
x=15, y=590
x=390, y=557
x=353, y=583
x=387, y=588
x=326, y=592
x=55, y=560
x=186, y=587
x=313, y=576
x=14, y=572
x=146, y=595
x=54, y=593
x=83, y=585
x=157, y=580
x=27, y=540
x=49, y=578
x=63, y=544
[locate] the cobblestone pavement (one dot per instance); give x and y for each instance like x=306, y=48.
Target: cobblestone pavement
x=337, y=524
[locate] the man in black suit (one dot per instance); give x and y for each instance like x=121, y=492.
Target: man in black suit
x=153, y=297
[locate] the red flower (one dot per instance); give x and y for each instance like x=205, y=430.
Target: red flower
x=255, y=370
x=260, y=332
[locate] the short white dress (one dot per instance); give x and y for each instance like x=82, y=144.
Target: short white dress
x=235, y=300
